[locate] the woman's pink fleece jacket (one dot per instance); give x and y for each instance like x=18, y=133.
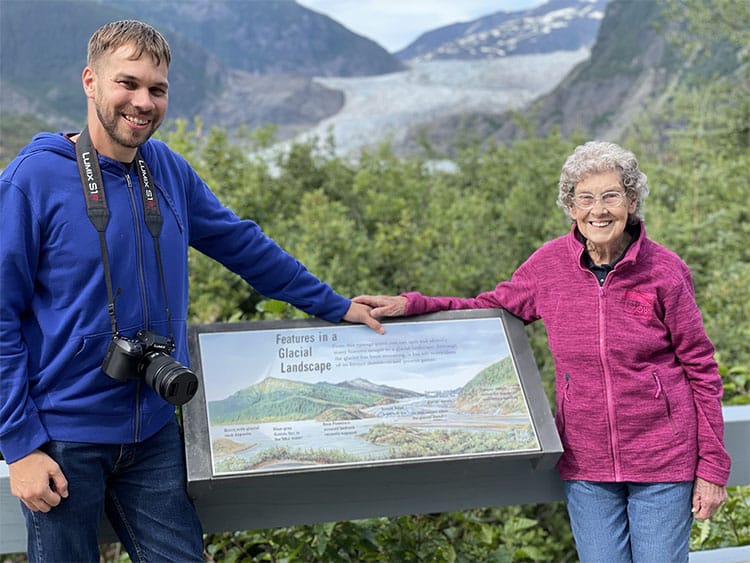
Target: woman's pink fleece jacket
x=637, y=387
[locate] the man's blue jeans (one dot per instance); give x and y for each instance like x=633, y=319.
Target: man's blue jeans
x=630, y=522
x=141, y=486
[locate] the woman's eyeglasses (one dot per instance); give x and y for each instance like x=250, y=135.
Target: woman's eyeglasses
x=586, y=201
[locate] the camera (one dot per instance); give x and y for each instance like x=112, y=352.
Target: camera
x=147, y=357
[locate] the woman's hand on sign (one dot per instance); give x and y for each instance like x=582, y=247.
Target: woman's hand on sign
x=383, y=305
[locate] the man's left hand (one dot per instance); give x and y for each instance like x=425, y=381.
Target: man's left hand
x=359, y=313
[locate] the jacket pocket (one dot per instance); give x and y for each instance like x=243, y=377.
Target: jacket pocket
x=77, y=377
x=661, y=394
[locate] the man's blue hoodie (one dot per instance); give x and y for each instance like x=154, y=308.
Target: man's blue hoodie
x=54, y=325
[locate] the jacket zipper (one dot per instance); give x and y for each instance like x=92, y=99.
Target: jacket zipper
x=608, y=383
x=141, y=277
x=139, y=251
x=613, y=435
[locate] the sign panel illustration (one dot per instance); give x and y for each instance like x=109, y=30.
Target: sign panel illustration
x=299, y=399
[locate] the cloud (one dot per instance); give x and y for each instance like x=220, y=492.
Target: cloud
x=394, y=24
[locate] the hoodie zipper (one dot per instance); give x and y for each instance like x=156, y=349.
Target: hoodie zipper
x=142, y=278
x=139, y=247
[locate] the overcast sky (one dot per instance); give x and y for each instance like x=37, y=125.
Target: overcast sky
x=396, y=23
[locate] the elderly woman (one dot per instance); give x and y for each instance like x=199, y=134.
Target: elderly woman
x=637, y=389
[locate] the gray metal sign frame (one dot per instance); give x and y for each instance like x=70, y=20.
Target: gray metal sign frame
x=244, y=502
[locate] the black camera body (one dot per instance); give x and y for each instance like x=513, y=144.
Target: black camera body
x=147, y=357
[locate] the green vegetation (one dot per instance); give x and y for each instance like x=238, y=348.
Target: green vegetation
x=416, y=443
x=491, y=535
x=385, y=224
x=280, y=454
x=276, y=399
x=499, y=373
x=495, y=389
x=16, y=131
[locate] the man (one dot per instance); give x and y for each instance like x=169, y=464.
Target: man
x=94, y=250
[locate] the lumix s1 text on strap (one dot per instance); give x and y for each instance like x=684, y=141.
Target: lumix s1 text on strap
x=98, y=211
x=91, y=178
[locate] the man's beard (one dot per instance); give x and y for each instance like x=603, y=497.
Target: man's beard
x=130, y=141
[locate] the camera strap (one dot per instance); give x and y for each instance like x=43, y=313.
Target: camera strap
x=98, y=213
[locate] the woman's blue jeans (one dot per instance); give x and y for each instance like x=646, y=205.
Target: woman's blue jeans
x=630, y=522
x=142, y=488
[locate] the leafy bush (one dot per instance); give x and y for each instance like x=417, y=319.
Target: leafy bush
x=388, y=225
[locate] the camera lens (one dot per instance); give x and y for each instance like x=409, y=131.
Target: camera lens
x=169, y=378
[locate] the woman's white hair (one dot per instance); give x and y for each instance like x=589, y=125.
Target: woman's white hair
x=601, y=156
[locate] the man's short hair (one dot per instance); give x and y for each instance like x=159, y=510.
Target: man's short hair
x=141, y=36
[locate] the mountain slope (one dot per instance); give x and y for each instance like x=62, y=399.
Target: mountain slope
x=632, y=67
x=44, y=75
x=233, y=62
x=558, y=25
x=283, y=399
x=494, y=390
x=270, y=37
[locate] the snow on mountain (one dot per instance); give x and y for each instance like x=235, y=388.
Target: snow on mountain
x=387, y=106
x=555, y=26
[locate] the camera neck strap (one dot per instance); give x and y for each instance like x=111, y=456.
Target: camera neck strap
x=98, y=213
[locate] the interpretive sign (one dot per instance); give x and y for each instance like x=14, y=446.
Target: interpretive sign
x=311, y=421
x=304, y=398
